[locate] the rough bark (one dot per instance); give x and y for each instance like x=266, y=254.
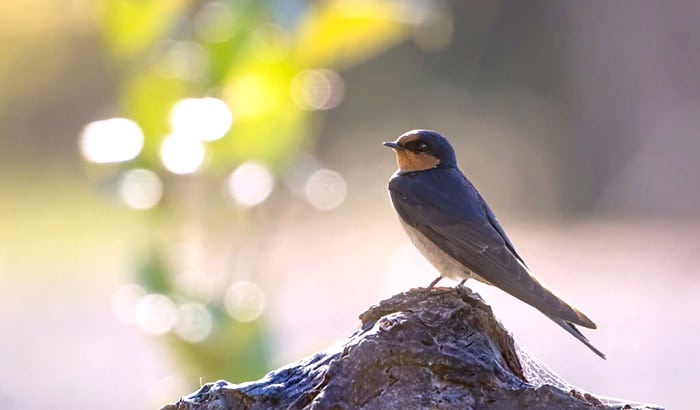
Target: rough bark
x=426, y=348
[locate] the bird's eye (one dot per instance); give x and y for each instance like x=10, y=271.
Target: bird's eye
x=417, y=146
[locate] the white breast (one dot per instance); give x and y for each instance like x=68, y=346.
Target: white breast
x=445, y=264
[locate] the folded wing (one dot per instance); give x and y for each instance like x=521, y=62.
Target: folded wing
x=478, y=242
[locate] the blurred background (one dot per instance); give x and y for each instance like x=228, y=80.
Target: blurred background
x=195, y=190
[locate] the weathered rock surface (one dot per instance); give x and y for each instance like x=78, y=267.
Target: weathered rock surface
x=423, y=349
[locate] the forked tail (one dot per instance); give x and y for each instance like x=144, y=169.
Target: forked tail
x=569, y=327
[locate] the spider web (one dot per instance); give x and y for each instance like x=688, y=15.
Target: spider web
x=538, y=374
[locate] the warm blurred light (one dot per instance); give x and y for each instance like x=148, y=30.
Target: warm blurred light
x=270, y=43
x=320, y=89
x=182, y=155
x=124, y=301
x=244, y=301
x=214, y=22
x=155, y=314
x=194, y=322
x=141, y=188
x=250, y=94
x=112, y=140
x=325, y=189
x=206, y=119
x=250, y=184
x=185, y=60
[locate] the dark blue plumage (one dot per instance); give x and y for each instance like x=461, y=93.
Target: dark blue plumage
x=451, y=224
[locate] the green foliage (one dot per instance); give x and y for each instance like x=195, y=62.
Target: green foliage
x=341, y=33
x=240, y=52
x=131, y=26
x=234, y=50
x=154, y=272
x=235, y=351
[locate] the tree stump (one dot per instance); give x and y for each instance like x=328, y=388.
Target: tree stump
x=426, y=348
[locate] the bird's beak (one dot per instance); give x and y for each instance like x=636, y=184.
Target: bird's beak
x=394, y=146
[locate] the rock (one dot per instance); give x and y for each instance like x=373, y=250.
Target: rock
x=426, y=348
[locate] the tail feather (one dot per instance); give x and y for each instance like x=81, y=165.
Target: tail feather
x=583, y=319
x=569, y=327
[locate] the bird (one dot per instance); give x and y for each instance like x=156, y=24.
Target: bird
x=451, y=224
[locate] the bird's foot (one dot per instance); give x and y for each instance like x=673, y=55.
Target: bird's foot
x=434, y=282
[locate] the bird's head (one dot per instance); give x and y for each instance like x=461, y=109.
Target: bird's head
x=421, y=150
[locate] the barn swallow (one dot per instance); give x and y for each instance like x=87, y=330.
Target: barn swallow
x=453, y=227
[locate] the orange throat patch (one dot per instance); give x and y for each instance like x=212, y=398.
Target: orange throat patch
x=411, y=162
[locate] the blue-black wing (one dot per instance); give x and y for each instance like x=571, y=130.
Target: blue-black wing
x=450, y=212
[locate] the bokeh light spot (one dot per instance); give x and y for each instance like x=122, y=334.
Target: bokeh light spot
x=205, y=119
x=250, y=184
x=320, y=89
x=244, y=301
x=184, y=60
x=182, y=155
x=194, y=322
x=112, y=140
x=214, y=22
x=194, y=283
x=270, y=43
x=325, y=189
x=141, y=188
x=124, y=301
x=155, y=314
x=301, y=168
